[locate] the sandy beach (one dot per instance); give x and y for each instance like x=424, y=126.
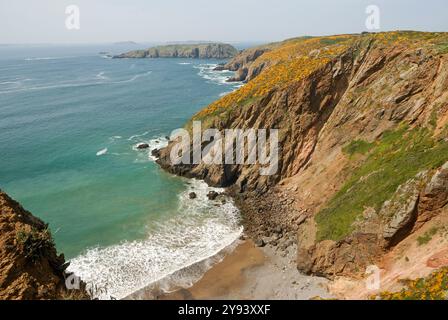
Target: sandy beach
x=250, y=273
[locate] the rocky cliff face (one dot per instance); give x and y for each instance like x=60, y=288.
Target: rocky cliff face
x=198, y=51
x=363, y=144
x=30, y=268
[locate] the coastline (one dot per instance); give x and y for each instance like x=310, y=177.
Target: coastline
x=246, y=272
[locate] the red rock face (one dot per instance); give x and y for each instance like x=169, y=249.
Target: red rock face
x=438, y=260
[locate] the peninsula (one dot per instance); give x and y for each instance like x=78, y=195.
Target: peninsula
x=194, y=51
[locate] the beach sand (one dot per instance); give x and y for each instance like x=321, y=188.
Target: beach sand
x=251, y=273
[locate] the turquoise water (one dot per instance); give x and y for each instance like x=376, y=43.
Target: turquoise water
x=69, y=119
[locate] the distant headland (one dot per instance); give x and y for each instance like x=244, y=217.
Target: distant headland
x=195, y=51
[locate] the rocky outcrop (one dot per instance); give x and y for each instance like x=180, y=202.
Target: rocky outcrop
x=344, y=258
x=30, y=267
x=400, y=212
x=435, y=195
x=242, y=64
x=397, y=219
x=193, y=51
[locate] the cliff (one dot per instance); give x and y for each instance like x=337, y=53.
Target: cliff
x=30, y=268
x=363, y=149
x=194, y=51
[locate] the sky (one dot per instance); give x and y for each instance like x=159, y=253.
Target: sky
x=105, y=21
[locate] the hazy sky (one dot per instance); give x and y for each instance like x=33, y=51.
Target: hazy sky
x=43, y=21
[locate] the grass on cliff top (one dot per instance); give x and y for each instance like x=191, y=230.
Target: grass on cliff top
x=397, y=157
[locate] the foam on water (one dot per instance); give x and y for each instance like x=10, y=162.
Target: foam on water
x=132, y=138
x=154, y=143
x=50, y=58
x=101, y=80
x=101, y=76
x=200, y=230
x=207, y=72
x=101, y=152
x=137, y=76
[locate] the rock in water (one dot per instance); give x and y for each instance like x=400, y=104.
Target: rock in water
x=142, y=146
x=155, y=153
x=212, y=195
x=193, y=195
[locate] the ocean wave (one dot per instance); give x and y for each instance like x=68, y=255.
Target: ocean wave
x=115, y=138
x=13, y=83
x=146, y=154
x=207, y=72
x=50, y=58
x=101, y=152
x=184, y=63
x=101, y=76
x=131, y=138
x=77, y=85
x=55, y=86
x=200, y=230
x=137, y=76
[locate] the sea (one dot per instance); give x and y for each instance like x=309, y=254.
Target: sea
x=70, y=120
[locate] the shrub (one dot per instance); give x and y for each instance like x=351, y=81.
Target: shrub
x=427, y=237
x=433, y=287
x=34, y=243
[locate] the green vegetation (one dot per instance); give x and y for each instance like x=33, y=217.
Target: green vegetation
x=442, y=48
x=397, y=157
x=427, y=237
x=357, y=146
x=331, y=41
x=34, y=243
